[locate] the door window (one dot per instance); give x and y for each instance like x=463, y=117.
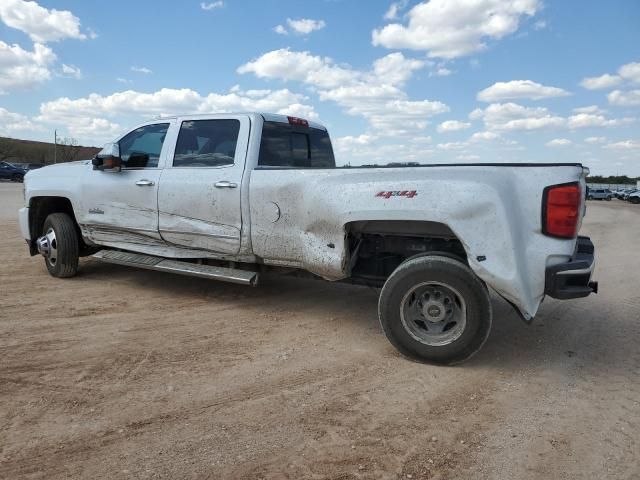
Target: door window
x=206, y=143
x=141, y=148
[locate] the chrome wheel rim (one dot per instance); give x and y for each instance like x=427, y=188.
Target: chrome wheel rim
x=48, y=247
x=434, y=313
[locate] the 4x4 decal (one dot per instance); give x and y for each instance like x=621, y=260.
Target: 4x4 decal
x=397, y=193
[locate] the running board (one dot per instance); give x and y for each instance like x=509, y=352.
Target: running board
x=149, y=262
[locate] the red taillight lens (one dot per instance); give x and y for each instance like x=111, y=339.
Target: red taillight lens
x=561, y=210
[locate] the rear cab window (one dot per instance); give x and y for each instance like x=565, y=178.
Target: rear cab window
x=295, y=146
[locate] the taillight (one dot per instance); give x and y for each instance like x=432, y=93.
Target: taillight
x=561, y=210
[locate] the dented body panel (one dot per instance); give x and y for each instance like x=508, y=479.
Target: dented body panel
x=302, y=218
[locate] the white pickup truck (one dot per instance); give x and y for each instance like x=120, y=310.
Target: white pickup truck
x=230, y=196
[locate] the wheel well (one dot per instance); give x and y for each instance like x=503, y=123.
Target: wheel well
x=40, y=208
x=376, y=248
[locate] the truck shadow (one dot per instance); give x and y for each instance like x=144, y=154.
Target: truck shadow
x=564, y=334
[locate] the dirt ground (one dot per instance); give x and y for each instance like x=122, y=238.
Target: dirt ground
x=124, y=373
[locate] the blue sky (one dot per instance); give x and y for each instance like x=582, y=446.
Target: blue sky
x=437, y=81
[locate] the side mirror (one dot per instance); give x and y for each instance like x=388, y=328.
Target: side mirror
x=108, y=159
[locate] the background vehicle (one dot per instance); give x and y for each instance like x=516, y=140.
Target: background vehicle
x=634, y=197
x=232, y=195
x=8, y=171
x=599, y=194
x=625, y=195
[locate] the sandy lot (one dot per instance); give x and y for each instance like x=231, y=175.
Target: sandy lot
x=124, y=373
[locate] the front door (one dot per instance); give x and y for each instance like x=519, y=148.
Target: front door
x=120, y=209
x=200, y=193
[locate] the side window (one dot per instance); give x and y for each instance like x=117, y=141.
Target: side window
x=141, y=148
x=206, y=143
x=284, y=145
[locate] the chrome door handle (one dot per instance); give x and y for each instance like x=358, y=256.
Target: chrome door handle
x=145, y=183
x=226, y=184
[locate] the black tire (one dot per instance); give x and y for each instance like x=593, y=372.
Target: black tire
x=635, y=200
x=608, y=199
x=589, y=197
x=17, y=178
x=66, y=245
x=457, y=277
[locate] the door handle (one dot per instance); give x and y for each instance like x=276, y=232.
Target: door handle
x=226, y=184
x=145, y=183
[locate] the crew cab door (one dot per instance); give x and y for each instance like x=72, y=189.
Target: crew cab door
x=121, y=208
x=199, y=198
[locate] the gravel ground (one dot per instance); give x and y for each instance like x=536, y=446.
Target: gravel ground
x=124, y=373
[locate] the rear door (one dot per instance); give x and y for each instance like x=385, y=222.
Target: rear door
x=199, y=198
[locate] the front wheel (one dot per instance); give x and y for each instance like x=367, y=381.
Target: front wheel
x=590, y=197
x=435, y=309
x=59, y=245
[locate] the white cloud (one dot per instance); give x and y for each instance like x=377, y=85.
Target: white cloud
x=452, y=126
x=620, y=98
x=300, y=66
x=23, y=69
x=280, y=30
x=71, y=71
x=454, y=28
x=595, y=140
x=487, y=136
x=144, y=70
x=395, y=69
x=585, y=120
x=301, y=26
x=519, y=89
x=624, y=145
x=630, y=72
x=452, y=146
x=442, y=72
x=468, y=157
x=373, y=94
x=122, y=80
x=305, y=26
x=11, y=123
x=540, y=25
x=590, y=109
x=394, y=9
x=42, y=25
x=97, y=119
x=559, y=142
x=601, y=82
x=511, y=116
x=211, y=5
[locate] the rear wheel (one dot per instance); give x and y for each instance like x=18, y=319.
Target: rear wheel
x=59, y=245
x=590, y=197
x=17, y=177
x=435, y=309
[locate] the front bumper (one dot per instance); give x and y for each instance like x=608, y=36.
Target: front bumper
x=573, y=278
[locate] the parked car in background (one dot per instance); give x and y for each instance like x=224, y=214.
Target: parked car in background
x=8, y=171
x=599, y=194
x=626, y=195
x=634, y=197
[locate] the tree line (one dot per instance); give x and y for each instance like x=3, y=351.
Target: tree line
x=28, y=151
x=613, y=179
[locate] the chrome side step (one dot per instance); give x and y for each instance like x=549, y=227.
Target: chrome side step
x=149, y=262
